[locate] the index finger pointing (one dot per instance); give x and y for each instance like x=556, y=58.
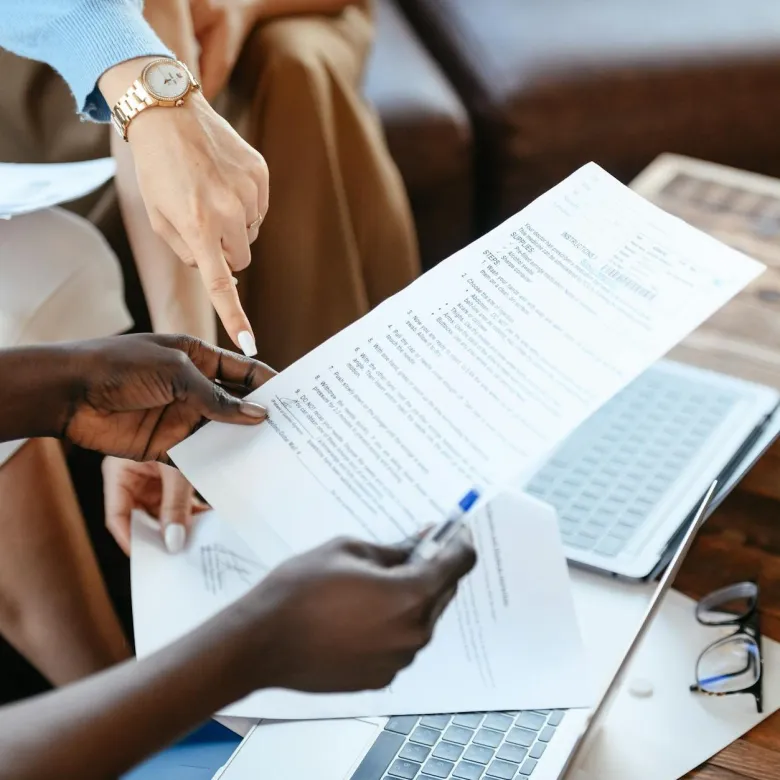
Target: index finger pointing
x=218, y=279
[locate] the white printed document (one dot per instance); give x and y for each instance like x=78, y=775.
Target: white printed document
x=470, y=375
x=510, y=639
x=25, y=188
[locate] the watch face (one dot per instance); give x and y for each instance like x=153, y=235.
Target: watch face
x=166, y=80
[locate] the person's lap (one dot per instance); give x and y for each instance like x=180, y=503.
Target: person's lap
x=59, y=281
x=339, y=236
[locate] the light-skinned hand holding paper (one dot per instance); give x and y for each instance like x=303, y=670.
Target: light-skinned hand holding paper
x=519, y=590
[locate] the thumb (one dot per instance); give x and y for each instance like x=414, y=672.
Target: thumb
x=453, y=562
x=118, y=501
x=175, y=508
x=214, y=403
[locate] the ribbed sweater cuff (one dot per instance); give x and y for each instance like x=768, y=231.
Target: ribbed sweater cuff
x=99, y=35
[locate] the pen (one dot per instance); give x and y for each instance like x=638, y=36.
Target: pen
x=437, y=539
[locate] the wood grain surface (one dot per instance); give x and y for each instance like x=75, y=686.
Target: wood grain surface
x=742, y=210
x=741, y=541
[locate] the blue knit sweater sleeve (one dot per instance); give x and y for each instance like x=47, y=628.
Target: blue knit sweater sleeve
x=81, y=39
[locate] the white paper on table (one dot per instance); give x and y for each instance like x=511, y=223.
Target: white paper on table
x=28, y=187
x=172, y=594
x=520, y=585
x=666, y=735
x=469, y=375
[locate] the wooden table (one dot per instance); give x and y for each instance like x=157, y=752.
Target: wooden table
x=742, y=210
x=742, y=539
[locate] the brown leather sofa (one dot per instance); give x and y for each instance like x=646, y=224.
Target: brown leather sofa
x=552, y=85
x=428, y=132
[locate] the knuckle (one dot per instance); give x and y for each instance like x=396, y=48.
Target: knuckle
x=344, y=544
x=186, y=344
x=383, y=679
x=229, y=207
x=427, y=588
x=221, y=398
x=260, y=176
x=159, y=223
x=240, y=261
x=221, y=285
x=260, y=167
x=107, y=466
x=113, y=526
x=178, y=361
x=420, y=637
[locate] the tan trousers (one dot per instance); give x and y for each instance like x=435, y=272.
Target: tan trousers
x=339, y=236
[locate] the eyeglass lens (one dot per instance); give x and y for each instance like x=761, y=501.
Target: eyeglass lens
x=732, y=664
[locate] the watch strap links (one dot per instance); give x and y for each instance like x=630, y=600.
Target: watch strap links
x=135, y=100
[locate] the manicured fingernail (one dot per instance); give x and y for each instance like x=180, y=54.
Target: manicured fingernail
x=254, y=410
x=175, y=537
x=235, y=282
x=247, y=343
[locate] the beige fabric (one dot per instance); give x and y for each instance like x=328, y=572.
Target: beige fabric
x=339, y=237
x=59, y=281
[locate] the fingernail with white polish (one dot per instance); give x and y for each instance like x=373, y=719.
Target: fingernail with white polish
x=247, y=343
x=175, y=537
x=235, y=282
x=254, y=410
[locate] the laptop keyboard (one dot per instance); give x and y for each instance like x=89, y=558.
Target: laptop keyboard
x=470, y=746
x=611, y=473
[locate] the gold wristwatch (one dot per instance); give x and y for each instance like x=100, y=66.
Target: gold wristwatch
x=163, y=82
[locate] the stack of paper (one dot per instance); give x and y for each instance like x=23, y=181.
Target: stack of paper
x=25, y=188
x=468, y=377
x=513, y=614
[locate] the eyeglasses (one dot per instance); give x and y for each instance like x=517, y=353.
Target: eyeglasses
x=732, y=664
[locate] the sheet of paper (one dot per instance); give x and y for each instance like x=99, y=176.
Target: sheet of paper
x=174, y=593
x=641, y=738
x=469, y=375
x=657, y=738
x=25, y=188
x=520, y=581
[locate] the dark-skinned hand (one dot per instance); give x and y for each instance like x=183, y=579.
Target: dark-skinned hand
x=349, y=615
x=137, y=396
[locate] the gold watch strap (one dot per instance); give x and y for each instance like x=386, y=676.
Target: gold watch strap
x=135, y=100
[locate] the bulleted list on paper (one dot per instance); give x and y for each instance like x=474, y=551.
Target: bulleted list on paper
x=471, y=374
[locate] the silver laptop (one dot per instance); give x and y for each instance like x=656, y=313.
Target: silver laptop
x=538, y=744
x=626, y=482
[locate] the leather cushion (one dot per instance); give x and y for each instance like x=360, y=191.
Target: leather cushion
x=428, y=133
x=553, y=85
